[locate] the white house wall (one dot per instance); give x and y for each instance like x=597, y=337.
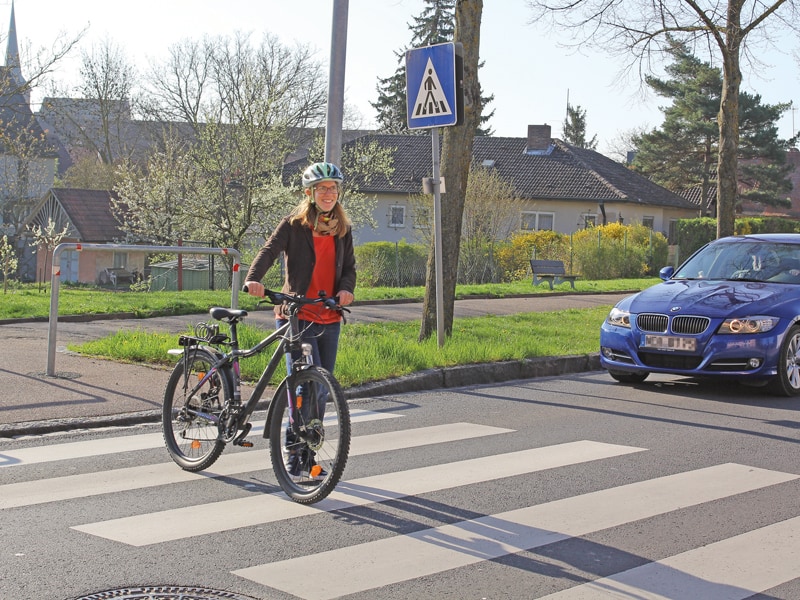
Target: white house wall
x=569, y=217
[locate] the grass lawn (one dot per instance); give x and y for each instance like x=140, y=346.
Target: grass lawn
x=367, y=352
x=29, y=301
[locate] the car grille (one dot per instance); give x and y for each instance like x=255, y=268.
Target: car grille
x=656, y=323
x=694, y=325
x=670, y=361
x=651, y=322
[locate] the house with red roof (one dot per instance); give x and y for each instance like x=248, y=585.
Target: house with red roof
x=86, y=216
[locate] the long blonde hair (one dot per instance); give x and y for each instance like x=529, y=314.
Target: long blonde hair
x=306, y=213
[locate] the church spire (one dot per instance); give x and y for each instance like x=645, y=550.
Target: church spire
x=12, y=55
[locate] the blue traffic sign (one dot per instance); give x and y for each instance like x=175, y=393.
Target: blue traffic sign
x=432, y=87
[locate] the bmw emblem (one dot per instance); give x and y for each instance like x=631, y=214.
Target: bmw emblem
x=675, y=309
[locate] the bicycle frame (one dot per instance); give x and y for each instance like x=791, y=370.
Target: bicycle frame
x=228, y=366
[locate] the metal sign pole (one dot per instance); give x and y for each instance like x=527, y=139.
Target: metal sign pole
x=333, y=129
x=437, y=236
x=435, y=98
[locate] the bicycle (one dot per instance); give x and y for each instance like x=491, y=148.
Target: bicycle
x=307, y=417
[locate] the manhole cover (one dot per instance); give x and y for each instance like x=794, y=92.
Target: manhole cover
x=170, y=592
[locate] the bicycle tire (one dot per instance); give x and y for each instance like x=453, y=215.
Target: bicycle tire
x=193, y=440
x=328, y=443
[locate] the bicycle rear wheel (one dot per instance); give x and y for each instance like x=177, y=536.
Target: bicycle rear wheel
x=309, y=457
x=190, y=421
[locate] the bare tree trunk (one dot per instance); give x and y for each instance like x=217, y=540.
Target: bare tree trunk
x=456, y=159
x=729, y=125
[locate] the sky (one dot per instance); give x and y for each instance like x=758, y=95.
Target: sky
x=531, y=76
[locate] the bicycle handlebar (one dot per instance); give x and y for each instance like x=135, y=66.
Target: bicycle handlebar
x=277, y=298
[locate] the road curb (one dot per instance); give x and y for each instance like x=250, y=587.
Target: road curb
x=428, y=380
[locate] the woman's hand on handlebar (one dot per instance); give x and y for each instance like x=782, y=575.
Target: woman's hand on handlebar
x=344, y=298
x=254, y=288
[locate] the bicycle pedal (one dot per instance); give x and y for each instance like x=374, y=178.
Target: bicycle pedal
x=240, y=440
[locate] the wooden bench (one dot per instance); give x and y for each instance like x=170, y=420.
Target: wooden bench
x=551, y=271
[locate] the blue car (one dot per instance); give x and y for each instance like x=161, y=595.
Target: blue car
x=731, y=310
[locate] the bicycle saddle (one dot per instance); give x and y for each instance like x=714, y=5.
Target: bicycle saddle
x=226, y=314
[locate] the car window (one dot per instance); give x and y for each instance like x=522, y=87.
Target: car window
x=751, y=261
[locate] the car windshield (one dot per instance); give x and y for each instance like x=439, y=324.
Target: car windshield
x=748, y=261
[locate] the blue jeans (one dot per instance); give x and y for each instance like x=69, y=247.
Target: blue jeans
x=324, y=340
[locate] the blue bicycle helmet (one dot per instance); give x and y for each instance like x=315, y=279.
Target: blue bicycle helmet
x=321, y=171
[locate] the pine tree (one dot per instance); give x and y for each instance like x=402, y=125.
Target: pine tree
x=435, y=25
x=682, y=153
x=574, y=129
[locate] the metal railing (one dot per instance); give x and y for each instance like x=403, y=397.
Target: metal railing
x=55, y=279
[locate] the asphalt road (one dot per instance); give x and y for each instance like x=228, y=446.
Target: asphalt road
x=557, y=487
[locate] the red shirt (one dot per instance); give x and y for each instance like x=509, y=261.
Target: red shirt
x=322, y=278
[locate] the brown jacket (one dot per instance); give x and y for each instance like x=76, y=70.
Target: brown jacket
x=297, y=242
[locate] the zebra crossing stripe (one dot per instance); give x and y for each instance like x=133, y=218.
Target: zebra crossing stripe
x=203, y=519
x=119, y=480
x=128, y=443
x=392, y=560
x=732, y=569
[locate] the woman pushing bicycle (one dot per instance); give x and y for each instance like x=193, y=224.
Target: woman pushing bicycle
x=317, y=240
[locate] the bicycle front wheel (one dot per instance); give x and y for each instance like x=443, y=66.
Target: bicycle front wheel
x=309, y=434
x=189, y=416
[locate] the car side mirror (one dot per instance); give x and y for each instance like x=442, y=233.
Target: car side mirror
x=666, y=273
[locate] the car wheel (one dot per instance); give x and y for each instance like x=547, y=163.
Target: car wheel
x=787, y=381
x=626, y=377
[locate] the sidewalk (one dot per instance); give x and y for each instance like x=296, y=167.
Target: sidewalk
x=87, y=392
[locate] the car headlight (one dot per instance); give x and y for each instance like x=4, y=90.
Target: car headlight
x=619, y=317
x=748, y=325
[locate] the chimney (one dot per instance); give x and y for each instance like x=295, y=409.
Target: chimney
x=538, y=138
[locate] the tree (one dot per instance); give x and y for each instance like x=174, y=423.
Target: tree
x=456, y=160
x=107, y=79
x=93, y=119
x=47, y=238
x=491, y=214
x=574, y=129
x=88, y=173
x=237, y=105
x=152, y=201
x=681, y=153
x=8, y=261
x=435, y=25
x=642, y=30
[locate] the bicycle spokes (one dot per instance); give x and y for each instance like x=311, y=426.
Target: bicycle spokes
x=309, y=435
x=191, y=412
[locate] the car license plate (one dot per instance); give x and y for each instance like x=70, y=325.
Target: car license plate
x=670, y=342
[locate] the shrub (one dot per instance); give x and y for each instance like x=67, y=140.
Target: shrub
x=513, y=257
x=616, y=251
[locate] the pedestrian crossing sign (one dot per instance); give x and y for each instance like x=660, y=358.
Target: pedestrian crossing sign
x=434, y=96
